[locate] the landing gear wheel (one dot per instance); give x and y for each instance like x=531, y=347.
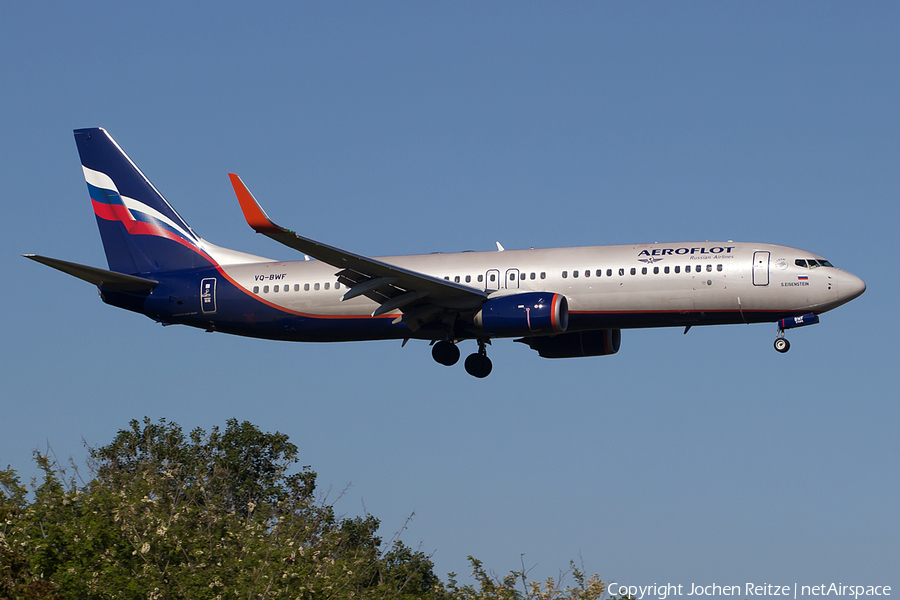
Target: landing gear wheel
x=782, y=345
x=478, y=365
x=446, y=353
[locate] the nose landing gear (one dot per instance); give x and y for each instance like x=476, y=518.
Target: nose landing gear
x=478, y=364
x=781, y=343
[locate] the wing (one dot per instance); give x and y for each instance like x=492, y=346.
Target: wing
x=421, y=298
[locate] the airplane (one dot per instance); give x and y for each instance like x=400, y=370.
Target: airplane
x=561, y=302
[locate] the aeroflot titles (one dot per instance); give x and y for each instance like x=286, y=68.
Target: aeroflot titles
x=673, y=251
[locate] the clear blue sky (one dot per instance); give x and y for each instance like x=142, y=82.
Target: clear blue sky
x=391, y=128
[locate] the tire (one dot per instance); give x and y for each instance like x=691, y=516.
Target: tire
x=445, y=353
x=478, y=365
x=782, y=345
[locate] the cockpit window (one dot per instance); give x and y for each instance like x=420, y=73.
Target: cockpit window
x=812, y=263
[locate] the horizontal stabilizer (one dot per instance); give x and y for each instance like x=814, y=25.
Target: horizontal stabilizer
x=102, y=278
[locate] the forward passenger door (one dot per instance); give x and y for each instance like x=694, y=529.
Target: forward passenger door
x=761, y=268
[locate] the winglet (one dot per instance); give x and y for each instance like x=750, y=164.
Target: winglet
x=253, y=212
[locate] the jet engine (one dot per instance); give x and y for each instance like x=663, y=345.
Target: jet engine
x=576, y=344
x=528, y=313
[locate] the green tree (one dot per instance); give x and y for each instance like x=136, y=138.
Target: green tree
x=224, y=514
x=201, y=516
x=516, y=586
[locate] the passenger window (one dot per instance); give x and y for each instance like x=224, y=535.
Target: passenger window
x=337, y=286
x=255, y=289
x=456, y=279
x=265, y=289
x=677, y=269
x=468, y=278
x=599, y=272
x=305, y=287
x=709, y=268
x=609, y=272
x=480, y=278
x=575, y=274
x=666, y=270
x=532, y=275
x=493, y=277
x=296, y=287
x=633, y=271
x=275, y=289
x=719, y=268
x=643, y=270
x=656, y=270
x=326, y=285
x=316, y=286
x=697, y=268
x=522, y=276
x=543, y=275
x=447, y=278
x=565, y=274
x=587, y=272
x=621, y=272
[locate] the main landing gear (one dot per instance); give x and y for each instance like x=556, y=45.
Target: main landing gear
x=446, y=353
x=477, y=364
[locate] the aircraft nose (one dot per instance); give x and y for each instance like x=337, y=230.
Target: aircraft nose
x=850, y=286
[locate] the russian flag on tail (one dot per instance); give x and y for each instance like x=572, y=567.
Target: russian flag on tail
x=141, y=232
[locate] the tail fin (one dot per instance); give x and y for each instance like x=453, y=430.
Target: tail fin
x=141, y=233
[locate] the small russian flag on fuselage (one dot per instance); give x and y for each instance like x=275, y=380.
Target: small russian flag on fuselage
x=802, y=277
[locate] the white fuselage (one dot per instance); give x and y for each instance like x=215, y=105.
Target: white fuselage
x=621, y=282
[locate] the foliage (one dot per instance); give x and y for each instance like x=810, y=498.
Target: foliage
x=492, y=587
x=201, y=516
x=213, y=515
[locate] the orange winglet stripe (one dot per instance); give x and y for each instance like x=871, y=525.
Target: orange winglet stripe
x=256, y=217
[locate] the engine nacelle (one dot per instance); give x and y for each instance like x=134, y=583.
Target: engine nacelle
x=528, y=313
x=577, y=343
x=798, y=321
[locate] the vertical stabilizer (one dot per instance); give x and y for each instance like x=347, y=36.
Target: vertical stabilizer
x=141, y=233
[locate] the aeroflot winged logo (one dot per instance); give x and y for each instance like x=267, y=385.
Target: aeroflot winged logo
x=682, y=251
